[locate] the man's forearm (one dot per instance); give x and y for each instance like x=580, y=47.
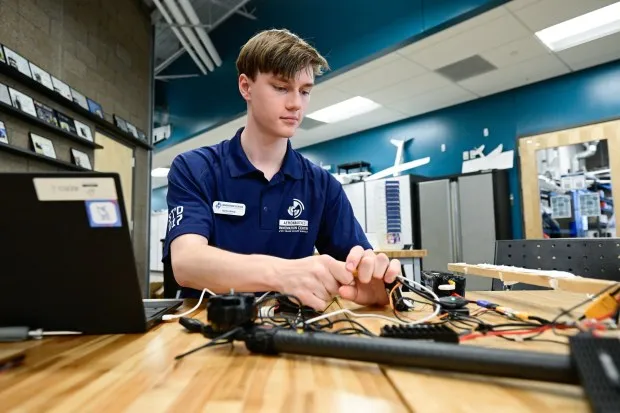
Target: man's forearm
x=218, y=270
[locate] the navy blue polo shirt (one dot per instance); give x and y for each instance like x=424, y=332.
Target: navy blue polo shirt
x=216, y=192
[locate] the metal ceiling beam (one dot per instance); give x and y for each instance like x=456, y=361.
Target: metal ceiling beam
x=179, y=36
x=169, y=60
x=190, y=33
x=204, y=37
x=157, y=15
x=239, y=9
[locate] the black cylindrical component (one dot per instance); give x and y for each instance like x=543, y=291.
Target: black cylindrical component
x=227, y=312
x=404, y=353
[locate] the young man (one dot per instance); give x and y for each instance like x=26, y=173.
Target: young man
x=246, y=214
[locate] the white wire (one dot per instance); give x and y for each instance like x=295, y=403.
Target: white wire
x=167, y=317
x=391, y=319
x=262, y=296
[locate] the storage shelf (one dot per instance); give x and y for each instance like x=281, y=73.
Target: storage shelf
x=107, y=127
x=39, y=122
x=30, y=154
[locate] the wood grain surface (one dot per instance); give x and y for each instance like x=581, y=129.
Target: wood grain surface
x=138, y=373
x=575, y=284
x=401, y=253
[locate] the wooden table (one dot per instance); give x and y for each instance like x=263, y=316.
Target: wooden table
x=137, y=373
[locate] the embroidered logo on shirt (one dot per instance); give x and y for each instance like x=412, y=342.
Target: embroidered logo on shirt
x=296, y=209
x=294, y=225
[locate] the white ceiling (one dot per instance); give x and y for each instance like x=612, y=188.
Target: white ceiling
x=405, y=84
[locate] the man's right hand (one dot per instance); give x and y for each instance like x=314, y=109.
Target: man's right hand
x=314, y=280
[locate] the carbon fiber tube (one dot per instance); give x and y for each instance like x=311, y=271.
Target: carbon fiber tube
x=408, y=353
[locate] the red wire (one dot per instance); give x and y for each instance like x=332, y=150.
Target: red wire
x=504, y=333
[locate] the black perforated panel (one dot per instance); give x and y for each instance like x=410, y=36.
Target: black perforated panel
x=592, y=258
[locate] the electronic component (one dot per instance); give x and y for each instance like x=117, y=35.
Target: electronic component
x=455, y=311
x=604, y=306
x=435, y=279
x=452, y=303
x=427, y=332
x=226, y=312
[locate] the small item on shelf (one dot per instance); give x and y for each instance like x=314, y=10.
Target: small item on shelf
x=66, y=122
x=4, y=136
x=142, y=135
x=46, y=114
x=62, y=88
x=83, y=130
x=42, y=146
x=95, y=108
x=132, y=129
x=79, y=98
x=41, y=76
x=22, y=102
x=16, y=61
x=80, y=159
x=120, y=123
x=4, y=95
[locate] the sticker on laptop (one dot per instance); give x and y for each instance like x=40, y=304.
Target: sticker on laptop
x=74, y=189
x=103, y=213
x=228, y=208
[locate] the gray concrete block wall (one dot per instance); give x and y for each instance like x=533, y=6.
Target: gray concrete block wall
x=100, y=48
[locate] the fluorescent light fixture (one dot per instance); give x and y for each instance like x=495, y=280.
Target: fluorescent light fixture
x=160, y=172
x=582, y=29
x=344, y=110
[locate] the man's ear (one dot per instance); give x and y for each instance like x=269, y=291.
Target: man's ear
x=245, y=86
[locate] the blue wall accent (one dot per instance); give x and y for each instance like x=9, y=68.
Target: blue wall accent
x=575, y=99
x=158, y=199
x=346, y=32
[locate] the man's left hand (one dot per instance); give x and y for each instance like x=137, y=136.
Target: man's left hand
x=373, y=271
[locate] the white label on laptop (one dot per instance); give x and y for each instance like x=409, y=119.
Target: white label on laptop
x=74, y=189
x=103, y=213
x=229, y=208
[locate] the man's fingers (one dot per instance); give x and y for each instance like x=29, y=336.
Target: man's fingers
x=393, y=270
x=381, y=265
x=311, y=300
x=348, y=292
x=338, y=271
x=366, y=268
x=354, y=258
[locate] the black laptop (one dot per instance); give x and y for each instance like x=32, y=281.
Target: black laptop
x=66, y=256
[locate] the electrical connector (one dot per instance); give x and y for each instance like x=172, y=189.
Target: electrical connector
x=604, y=306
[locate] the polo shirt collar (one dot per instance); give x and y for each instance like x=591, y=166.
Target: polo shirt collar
x=240, y=165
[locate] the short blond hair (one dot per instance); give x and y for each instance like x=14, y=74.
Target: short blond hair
x=280, y=52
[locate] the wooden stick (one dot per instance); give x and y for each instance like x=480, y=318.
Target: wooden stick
x=576, y=284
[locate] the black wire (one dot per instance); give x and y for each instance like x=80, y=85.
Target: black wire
x=214, y=342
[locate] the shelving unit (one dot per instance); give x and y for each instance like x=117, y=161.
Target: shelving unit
x=33, y=155
x=105, y=125
x=34, y=120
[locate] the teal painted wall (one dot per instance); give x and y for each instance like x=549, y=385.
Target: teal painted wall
x=347, y=32
x=575, y=99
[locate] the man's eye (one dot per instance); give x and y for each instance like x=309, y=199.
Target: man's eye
x=280, y=88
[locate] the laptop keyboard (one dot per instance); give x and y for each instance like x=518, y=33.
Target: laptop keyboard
x=151, y=312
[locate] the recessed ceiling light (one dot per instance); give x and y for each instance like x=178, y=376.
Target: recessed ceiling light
x=582, y=29
x=344, y=110
x=160, y=172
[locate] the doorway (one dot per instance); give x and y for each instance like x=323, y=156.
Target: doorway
x=116, y=157
x=570, y=180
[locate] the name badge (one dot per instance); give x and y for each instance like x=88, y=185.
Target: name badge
x=229, y=208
